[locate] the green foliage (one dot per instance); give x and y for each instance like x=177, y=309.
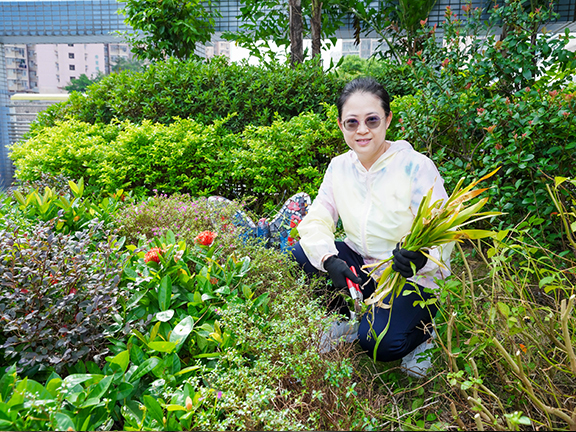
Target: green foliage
x=396, y=77
x=509, y=335
x=189, y=157
x=475, y=108
x=81, y=83
x=70, y=211
x=169, y=28
x=202, y=91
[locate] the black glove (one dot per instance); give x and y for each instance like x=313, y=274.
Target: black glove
x=339, y=271
x=403, y=258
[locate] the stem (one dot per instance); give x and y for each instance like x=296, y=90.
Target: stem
x=564, y=315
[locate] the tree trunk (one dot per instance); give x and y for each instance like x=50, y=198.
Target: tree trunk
x=316, y=27
x=296, y=29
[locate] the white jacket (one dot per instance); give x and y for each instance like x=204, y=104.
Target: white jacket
x=376, y=206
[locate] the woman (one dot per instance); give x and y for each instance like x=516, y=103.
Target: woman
x=375, y=189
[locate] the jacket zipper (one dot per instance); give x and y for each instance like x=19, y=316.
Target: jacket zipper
x=368, y=207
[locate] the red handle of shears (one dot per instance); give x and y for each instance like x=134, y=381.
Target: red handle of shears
x=352, y=285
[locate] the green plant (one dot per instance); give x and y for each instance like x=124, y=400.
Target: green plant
x=59, y=295
x=189, y=157
x=70, y=211
x=478, y=105
x=203, y=91
x=509, y=336
x=168, y=29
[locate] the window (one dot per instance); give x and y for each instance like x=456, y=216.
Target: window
x=71, y=78
x=71, y=55
x=71, y=45
x=72, y=67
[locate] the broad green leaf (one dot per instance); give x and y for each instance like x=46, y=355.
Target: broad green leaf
x=122, y=359
x=63, y=422
x=163, y=346
x=165, y=316
x=504, y=309
x=165, y=293
x=154, y=408
x=186, y=370
x=170, y=238
x=100, y=389
x=145, y=367
x=182, y=330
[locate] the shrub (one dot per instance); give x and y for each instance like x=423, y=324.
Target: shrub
x=59, y=295
x=509, y=336
x=481, y=105
x=188, y=157
x=202, y=91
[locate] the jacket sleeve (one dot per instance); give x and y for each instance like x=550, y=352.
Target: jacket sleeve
x=429, y=177
x=318, y=226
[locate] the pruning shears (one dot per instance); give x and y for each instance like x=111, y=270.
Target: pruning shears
x=356, y=294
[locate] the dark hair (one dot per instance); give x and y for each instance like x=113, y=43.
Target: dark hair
x=364, y=85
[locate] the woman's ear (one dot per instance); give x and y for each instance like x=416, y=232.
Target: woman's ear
x=340, y=124
x=388, y=120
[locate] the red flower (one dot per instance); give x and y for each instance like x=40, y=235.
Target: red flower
x=290, y=241
x=553, y=93
x=73, y=290
x=480, y=110
x=423, y=22
x=445, y=63
x=153, y=255
x=466, y=8
x=409, y=62
x=205, y=238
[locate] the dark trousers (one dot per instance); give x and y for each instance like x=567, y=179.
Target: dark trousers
x=409, y=324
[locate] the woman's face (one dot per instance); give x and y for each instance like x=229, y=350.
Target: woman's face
x=368, y=144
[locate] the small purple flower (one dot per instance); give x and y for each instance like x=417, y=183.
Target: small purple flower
x=219, y=395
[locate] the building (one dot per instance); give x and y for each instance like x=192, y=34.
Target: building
x=48, y=68
x=217, y=48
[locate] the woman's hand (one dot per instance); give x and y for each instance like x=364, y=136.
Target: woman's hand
x=339, y=271
x=403, y=258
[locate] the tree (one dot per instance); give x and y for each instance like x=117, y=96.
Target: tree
x=81, y=83
x=287, y=23
x=165, y=28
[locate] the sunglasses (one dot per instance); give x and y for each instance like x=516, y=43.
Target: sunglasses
x=371, y=122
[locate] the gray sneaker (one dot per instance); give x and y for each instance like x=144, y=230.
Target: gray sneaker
x=339, y=331
x=419, y=361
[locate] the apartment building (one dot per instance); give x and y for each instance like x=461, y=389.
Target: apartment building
x=48, y=68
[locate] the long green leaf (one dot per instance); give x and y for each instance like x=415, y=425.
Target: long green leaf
x=165, y=293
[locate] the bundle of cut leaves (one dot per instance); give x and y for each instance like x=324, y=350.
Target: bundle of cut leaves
x=435, y=224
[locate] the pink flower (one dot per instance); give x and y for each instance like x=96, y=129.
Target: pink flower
x=293, y=206
x=423, y=22
x=445, y=63
x=466, y=8
x=553, y=93
x=219, y=395
x=409, y=62
x=480, y=110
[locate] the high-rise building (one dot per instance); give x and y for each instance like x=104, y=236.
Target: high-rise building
x=17, y=68
x=48, y=68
